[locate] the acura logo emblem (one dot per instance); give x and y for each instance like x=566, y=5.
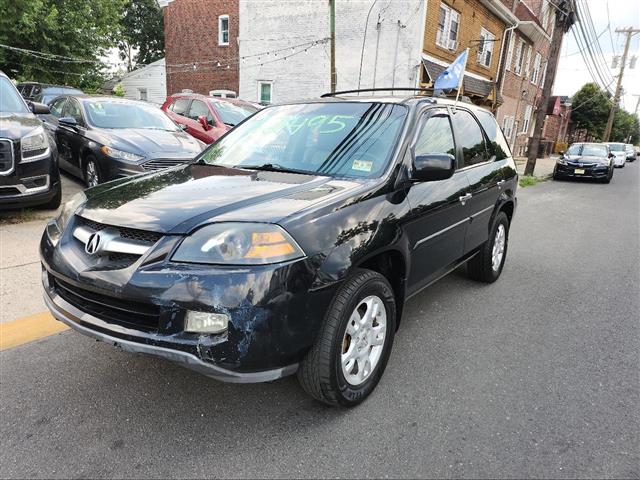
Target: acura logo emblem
x=93, y=244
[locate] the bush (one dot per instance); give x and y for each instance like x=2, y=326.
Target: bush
x=560, y=147
x=118, y=90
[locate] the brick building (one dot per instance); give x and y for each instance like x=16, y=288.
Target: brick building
x=453, y=25
x=201, y=47
x=525, y=65
x=556, y=125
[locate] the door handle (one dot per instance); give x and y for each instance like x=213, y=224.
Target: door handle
x=463, y=199
x=500, y=183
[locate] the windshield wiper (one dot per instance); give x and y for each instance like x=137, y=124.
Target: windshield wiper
x=273, y=167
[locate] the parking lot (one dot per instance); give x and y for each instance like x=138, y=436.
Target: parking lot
x=535, y=375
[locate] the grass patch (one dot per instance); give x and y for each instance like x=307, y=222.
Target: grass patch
x=528, y=180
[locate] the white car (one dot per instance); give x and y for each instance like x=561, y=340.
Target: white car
x=631, y=152
x=619, y=151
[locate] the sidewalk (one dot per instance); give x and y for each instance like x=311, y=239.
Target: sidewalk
x=544, y=166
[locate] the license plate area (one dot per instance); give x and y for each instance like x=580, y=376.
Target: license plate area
x=579, y=171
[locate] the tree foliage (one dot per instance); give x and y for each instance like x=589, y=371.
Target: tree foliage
x=590, y=111
x=141, y=38
x=82, y=29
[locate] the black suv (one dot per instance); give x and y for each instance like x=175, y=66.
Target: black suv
x=292, y=243
x=43, y=92
x=28, y=157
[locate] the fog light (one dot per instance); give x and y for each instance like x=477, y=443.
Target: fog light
x=205, y=322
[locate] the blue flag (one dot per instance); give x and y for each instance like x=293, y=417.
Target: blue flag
x=452, y=76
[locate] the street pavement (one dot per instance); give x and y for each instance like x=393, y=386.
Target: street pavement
x=536, y=375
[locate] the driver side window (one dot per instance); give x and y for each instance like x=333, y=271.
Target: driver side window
x=72, y=109
x=436, y=136
x=57, y=107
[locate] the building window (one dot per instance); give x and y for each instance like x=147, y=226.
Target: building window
x=448, y=23
x=223, y=30
x=265, y=92
x=520, y=52
x=535, y=76
x=527, y=120
x=507, y=126
x=512, y=39
x=527, y=62
x=485, y=48
x=142, y=94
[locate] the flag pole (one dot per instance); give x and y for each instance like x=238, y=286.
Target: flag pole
x=461, y=81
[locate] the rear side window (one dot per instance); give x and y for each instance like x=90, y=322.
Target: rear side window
x=180, y=106
x=436, y=136
x=470, y=138
x=499, y=144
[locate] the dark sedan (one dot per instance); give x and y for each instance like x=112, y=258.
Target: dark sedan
x=585, y=160
x=104, y=138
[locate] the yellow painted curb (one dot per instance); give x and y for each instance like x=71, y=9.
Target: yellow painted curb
x=28, y=329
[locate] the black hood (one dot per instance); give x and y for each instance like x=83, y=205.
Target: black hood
x=14, y=126
x=150, y=143
x=179, y=199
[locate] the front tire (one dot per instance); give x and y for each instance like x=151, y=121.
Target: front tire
x=487, y=265
x=92, y=175
x=351, y=351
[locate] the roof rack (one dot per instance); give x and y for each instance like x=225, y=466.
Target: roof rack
x=392, y=89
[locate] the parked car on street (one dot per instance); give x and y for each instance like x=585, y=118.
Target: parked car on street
x=292, y=243
x=631, y=152
x=619, y=151
x=585, y=160
x=29, y=173
x=43, y=92
x=102, y=138
x=207, y=118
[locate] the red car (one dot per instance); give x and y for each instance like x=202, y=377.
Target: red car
x=206, y=118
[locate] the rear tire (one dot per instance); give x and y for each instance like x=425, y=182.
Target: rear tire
x=357, y=332
x=487, y=265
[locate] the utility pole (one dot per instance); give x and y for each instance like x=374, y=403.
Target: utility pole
x=332, y=28
x=637, y=104
x=616, y=98
x=565, y=18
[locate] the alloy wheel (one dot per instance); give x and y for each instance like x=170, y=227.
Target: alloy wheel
x=92, y=174
x=498, y=247
x=363, y=340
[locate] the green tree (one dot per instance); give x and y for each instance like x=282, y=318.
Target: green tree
x=81, y=29
x=590, y=109
x=625, y=126
x=141, y=38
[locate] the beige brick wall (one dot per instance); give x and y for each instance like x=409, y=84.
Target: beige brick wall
x=473, y=16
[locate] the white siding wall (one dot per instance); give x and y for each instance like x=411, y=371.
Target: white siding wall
x=152, y=77
x=269, y=25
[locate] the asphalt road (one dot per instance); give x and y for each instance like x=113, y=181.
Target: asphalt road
x=536, y=375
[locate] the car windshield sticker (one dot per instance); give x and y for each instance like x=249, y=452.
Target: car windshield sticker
x=362, y=165
x=321, y=124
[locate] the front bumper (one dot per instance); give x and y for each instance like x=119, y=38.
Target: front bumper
x=274, y=314
x=569, y=171
x=113, y=168
x=30, y=184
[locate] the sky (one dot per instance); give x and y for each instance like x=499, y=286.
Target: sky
x=572, y=71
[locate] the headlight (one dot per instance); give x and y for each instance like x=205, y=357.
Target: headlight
x=69, y=209
x=34, y=145
x=562, y=161
x=122, y=155
x=238, y=244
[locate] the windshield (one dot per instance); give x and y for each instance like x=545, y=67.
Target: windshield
x=616, y=147
x=343, y=139
x=10, y=100
x=233, y=114
x=118, y=114
x=588, y=150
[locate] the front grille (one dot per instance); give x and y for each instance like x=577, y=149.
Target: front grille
x=130, y=314
x=9, y=191
x=6, y=156
x=130, y=233
x=162, y=163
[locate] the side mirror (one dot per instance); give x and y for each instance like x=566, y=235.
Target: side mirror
x=183, y=127
x=203, y=121
x=561, y=153
x=612, y=155
x=39, y=108
x=68, y=122
x=434, y=166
